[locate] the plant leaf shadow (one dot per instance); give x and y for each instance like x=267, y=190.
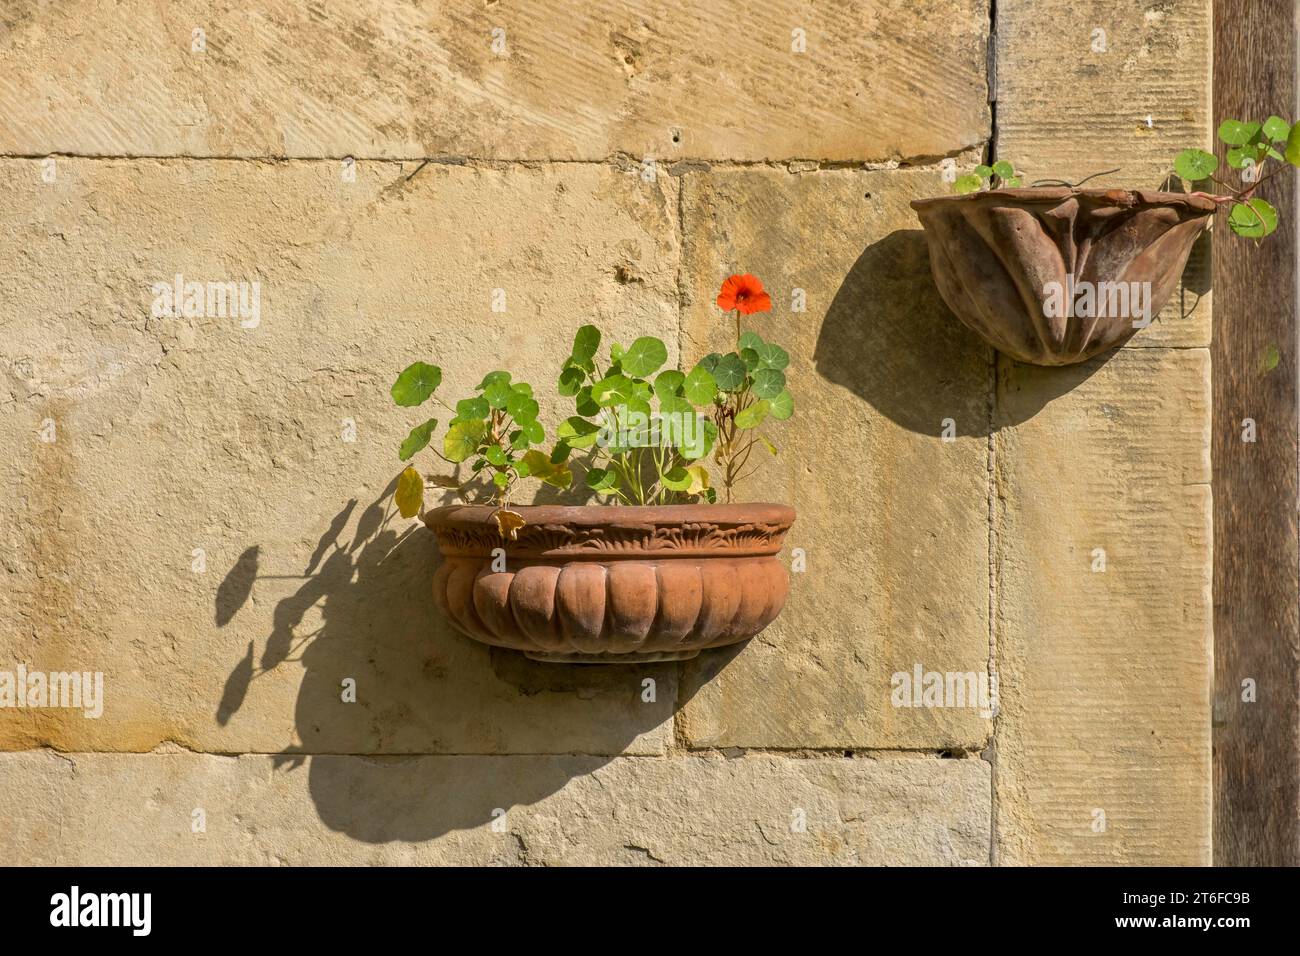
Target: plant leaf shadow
x=390, y=766
x=237, y=586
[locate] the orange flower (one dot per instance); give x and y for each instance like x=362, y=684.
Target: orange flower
x=744, y=293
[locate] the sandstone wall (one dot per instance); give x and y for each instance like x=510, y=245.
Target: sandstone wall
x=196, y=506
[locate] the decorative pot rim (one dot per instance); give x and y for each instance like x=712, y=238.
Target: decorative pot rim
x=1123, y=198
x=565, y=532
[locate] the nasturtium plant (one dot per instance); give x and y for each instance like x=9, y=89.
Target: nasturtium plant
x=644, y=433
x=494, y=432
x=649, y=434
x=999, y=175
x=751, y=384
x=1251, y=147
x=635, y=425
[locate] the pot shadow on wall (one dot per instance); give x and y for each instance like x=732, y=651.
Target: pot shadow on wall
x=364, y=606
x=889, y=338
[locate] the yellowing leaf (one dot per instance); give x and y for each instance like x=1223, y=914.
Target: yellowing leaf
x=1272, y=355
x=463, y=438
x=752, y=415
x=410, y=493
x=540, y=466
x=699, y=479
x=509, y=523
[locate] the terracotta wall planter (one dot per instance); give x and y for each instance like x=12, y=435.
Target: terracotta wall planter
x=613, y=584
x=994, y=255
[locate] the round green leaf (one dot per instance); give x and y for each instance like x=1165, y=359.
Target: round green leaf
x=730, y=372
x=637, y=405
x=768, y=382
x=496, y=455
x=471, y=408
x=522, y=408
x=1195, y=164
x=771, y=355
x=492, y=378
x=750, y=340
x=982, y=171
x=669, y=383
x=967, y=184
x=417, y=439
x=700, y=387
x=1277, y=129
x=646, y=356
x=611, y=390
x=1236, y=133
x=416, y=383
x=1240, y=157
x=1253, y=219
x=498, y=393
x=641, y=396
x=1003, y=170
x=675, y=405
x=782, y=406
x=585, y=344
x=608, y=386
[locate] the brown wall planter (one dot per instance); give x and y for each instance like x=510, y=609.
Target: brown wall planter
x=598, y=584
x=994, y=254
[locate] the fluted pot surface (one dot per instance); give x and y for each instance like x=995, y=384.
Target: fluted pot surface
x=590, y=584
x=1054, y=276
